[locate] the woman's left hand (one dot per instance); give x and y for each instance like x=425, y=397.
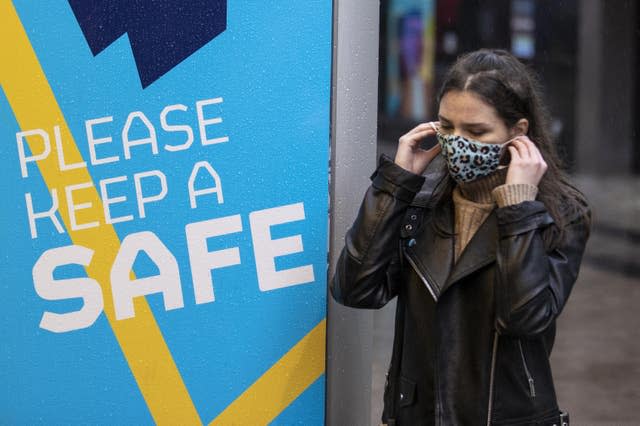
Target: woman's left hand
x=527, y=164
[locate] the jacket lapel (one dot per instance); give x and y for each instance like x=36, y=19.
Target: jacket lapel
x=480, y=251
x=431, y=252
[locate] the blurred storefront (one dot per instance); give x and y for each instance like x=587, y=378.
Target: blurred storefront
x=585, y=53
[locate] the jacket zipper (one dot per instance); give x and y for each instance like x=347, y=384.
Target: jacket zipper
x=492, y=376
x=422, y=277
x=532, y=388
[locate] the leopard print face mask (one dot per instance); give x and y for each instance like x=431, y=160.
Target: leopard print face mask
x=468, y=159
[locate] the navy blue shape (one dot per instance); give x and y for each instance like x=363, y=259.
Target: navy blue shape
x=162, y=33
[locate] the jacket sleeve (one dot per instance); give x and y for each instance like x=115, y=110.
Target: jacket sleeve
x=533, y=284
x=367, y=269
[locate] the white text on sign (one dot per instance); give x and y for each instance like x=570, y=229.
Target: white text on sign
x=168, y=282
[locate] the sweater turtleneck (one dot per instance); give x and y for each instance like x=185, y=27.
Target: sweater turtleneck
x=474, y=201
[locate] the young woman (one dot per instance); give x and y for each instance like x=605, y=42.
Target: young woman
x=482, y=261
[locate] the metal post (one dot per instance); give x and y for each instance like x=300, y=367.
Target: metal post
x=353, y=157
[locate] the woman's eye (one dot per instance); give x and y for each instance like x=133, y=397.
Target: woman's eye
x=477, y=133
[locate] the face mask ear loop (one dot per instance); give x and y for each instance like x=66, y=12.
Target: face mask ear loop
x=511, y=140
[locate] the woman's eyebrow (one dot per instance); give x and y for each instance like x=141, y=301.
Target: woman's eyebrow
x=480, y=124
x=476, y=124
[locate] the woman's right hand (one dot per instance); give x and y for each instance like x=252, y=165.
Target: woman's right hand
x=409, y=155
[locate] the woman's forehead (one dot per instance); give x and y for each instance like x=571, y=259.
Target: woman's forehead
x=466, y=107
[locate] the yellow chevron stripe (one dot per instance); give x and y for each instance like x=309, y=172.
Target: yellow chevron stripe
x=281, y=384
x=142, y=343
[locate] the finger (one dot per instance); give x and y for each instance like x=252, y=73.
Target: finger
x=515, y=155
x=526, y=146
x=419, y=127
x=515, y=140
x=431, y=152
x=423, y=126
x=534, y=152
x=523, y=150
x=425, y=156
x=418, y=136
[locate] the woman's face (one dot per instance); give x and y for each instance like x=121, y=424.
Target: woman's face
x=463, y=113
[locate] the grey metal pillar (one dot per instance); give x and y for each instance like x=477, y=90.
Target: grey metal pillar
x=605, y=95
x=353, y=157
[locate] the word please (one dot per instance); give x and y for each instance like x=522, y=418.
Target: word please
x=134, y=117
x=202, y=262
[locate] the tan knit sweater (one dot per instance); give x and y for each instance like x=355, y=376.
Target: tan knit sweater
x=475, y=200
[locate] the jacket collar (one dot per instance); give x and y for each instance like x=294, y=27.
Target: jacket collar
x=432, y=251
x=480, y=251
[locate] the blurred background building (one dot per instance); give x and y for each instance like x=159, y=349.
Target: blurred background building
x=586, y=53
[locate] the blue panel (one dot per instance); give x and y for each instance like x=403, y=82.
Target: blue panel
x=271, y=67
x=305, y=411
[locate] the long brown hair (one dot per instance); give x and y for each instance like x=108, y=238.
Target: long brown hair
x=513, y=90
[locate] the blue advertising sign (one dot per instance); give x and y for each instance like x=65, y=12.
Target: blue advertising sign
x=164, y=225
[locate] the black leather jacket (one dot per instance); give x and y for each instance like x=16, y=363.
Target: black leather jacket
x=472, y=339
